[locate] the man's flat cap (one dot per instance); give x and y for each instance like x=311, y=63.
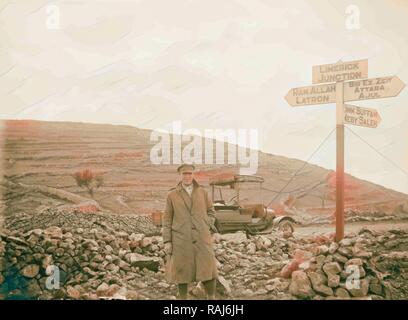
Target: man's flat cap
x=185, y=168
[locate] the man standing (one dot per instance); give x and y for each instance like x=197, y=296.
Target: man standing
x=187, y=221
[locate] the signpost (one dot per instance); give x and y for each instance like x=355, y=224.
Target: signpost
x=363, y=117
x=345, y=85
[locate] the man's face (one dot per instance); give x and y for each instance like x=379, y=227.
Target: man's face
x=187, y=177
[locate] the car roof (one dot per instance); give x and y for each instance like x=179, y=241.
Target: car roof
x=224, y=181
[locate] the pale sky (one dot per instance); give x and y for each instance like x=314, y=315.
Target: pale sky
x=210, y=64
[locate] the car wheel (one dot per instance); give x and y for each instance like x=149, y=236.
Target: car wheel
x=286, y=226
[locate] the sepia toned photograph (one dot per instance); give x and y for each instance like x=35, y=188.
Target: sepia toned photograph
x=201, y=150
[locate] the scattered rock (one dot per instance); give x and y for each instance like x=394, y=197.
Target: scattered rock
x=73, y=293
x=96, y=259
x=333, y=280
x=339, y=258
x=132, y=295
x=342, y=293
x=251, y=247
x=102, y=289
x=30, y=271
x=300, y=285
x=333, y=247
x=332, y=268
x=359, y=288
x=141, y=261
x=318, y=281
x=376, y=287
x=237, y=237
x=53, y=232
x=146, y=242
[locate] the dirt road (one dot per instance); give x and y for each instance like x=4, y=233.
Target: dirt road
x=320, y=229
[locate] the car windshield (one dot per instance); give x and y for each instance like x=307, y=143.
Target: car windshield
x=242, y=193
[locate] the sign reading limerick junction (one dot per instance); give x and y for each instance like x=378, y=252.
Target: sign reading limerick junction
x=340, y=71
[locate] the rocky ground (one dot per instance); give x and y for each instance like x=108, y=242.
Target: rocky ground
x=121, y=257
x=67, y=218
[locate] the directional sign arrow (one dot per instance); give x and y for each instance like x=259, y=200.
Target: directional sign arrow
x=325, y=93
x=363, y=117
x=374, y=88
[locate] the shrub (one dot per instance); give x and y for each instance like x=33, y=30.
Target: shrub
x=89, y=180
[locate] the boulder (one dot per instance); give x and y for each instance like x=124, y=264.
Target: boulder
x=333, y=247
x=30, y=271
x=251, y=248
x=359, y=288
x=132, y=295
x=323, y=249
x=53, y=232
x=354, y=261
x=342, y=293
x=237, y=237
x=267, y=243
x=102, y=289
x=318, y=281
x=289, y=268
x=300, y=285
x=73, y=293
x=332, y=268
x=339, y=258
x=146, y=242
x=345, y=251
x=317, y=278
x=376, y=286
x=141, y=261
x=333, y=280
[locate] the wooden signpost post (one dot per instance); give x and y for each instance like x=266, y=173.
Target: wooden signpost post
x=347, y=82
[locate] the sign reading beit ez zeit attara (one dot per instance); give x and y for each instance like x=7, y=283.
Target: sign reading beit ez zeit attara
x=374, y=88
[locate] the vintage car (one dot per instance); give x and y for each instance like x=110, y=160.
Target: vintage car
x=239, y=205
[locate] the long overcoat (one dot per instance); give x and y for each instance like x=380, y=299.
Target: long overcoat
x=186, y=224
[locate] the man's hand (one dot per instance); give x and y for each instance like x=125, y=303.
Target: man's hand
x=168, y=248
x=213, y=228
